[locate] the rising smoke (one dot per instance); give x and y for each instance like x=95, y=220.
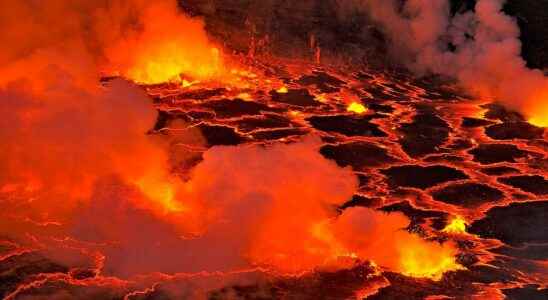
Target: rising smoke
x=76, y=156
x=480, y=48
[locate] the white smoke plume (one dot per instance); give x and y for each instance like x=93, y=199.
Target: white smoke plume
x=480, y=48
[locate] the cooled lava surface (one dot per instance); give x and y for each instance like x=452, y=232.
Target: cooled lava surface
x=461, y=170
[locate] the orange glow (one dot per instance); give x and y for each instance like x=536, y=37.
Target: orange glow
x=430, y=260
x=540, y=116
x=282, y=90
x=539, y=122
x=161, y=193
x=244, y=96
x=380, y=237
x=169, y=45
x=536, y=110
x=456, y=226
x=321, y=98
x=357, y=108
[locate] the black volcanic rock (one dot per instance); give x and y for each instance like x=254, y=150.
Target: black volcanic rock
x=227, y=108
x=165, y=118
x=515, y=130
x=443, y=158
x=421, y=177
x=357, y=154
x=265, y=121
x=361, y=201
x=201, y=94
x=347, y=125
x=277, y=133
x=424, y=135
x=379, y=92
x=17, y=269
x=468, y=122
x=515, y=224
x=534, y=252
x=499, y=112
x=468, y=194
x=528, y=292
x=416, y=215
x=457, y=285
x=495, y=153
x=220, y=135
x=297, y=97
x=340, y=284
x=460, y=144
x=323, y=81
x=536, y=184
x=380, y=108
x=503, y=170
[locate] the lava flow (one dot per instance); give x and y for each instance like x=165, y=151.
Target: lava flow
x=145, y=158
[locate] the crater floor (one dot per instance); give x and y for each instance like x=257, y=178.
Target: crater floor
x=420, y=147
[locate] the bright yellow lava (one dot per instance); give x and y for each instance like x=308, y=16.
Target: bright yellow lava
x=357, y=108
x=165, y=64
x=456, y=226
x=539, y=122
x=426, y=268
x=282, y=90
x=427, y=260
x=162, y=193
x=244, y=96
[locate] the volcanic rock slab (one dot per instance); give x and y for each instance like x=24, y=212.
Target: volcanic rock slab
x=421, y=177
x=468, y=194
x=537, y=185
x=347, y=125
x=424, y=135
x=515, y=224
x=357, y=154
x=515, y=130
x=495, y=153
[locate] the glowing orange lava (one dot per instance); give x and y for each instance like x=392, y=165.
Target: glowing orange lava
x=430, y=260
x=357, y=108
x=169, y=45
x=456, y=226
x=282, y=90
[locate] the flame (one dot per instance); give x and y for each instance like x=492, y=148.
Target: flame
x=357, y=108
x=169, y=45
x=427, y=260
x=456, y=226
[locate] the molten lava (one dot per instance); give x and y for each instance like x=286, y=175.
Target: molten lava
x=430, y=260
x=457, y=225
x=167, y=46
x=357, y=108
x=381, y=237
x=286, y=182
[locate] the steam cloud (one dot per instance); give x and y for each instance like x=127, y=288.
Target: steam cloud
x=76, y=154
x=481, y=49
x=273, y=207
